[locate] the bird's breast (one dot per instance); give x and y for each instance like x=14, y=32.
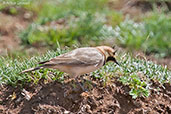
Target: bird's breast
x=78, y=70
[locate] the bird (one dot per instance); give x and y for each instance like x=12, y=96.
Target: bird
x=79, y=61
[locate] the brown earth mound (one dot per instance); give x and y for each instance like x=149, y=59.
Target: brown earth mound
x=57, y=98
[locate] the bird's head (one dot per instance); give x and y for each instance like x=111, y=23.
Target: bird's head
x=109, y=53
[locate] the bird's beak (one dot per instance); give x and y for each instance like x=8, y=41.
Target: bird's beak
x=111, y=58
x=116, y=61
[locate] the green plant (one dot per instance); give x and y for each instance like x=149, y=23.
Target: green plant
x=130, y=34
x=151, y=36
x=138, y=87
x=10, y=69
x=137, y=74
x=78, y=30
x=63, y=9
x=114, y=18
x=159, y=28
x=70, y=22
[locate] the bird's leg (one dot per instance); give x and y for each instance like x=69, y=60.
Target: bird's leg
x=68, y=89
x=89, y=83
x=81, y=85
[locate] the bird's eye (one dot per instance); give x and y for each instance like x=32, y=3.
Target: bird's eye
x=113, y=47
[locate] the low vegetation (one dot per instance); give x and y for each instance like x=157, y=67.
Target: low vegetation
x=152, y=35
x=90, y=22
x=70, y=22
x=137, y=74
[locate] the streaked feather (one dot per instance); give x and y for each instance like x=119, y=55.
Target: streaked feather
x=81, y=56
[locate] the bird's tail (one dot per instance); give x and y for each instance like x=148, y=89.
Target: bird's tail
x=32, y=69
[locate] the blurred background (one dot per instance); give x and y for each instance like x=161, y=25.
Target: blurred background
x=31, y=27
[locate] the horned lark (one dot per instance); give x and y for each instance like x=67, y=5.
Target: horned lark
x=79, y=61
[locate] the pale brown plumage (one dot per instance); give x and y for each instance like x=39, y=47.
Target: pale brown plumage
x=79, y=61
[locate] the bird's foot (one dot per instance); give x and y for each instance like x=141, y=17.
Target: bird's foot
x=81, y=84
x=89, y=84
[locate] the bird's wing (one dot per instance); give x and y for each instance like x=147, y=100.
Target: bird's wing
x=82, y=57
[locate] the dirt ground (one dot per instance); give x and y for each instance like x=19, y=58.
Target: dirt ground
x=10, y=26
x=68, y=98
x=56, y=98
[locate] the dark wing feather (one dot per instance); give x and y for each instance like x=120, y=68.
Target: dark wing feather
x=43, y=62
